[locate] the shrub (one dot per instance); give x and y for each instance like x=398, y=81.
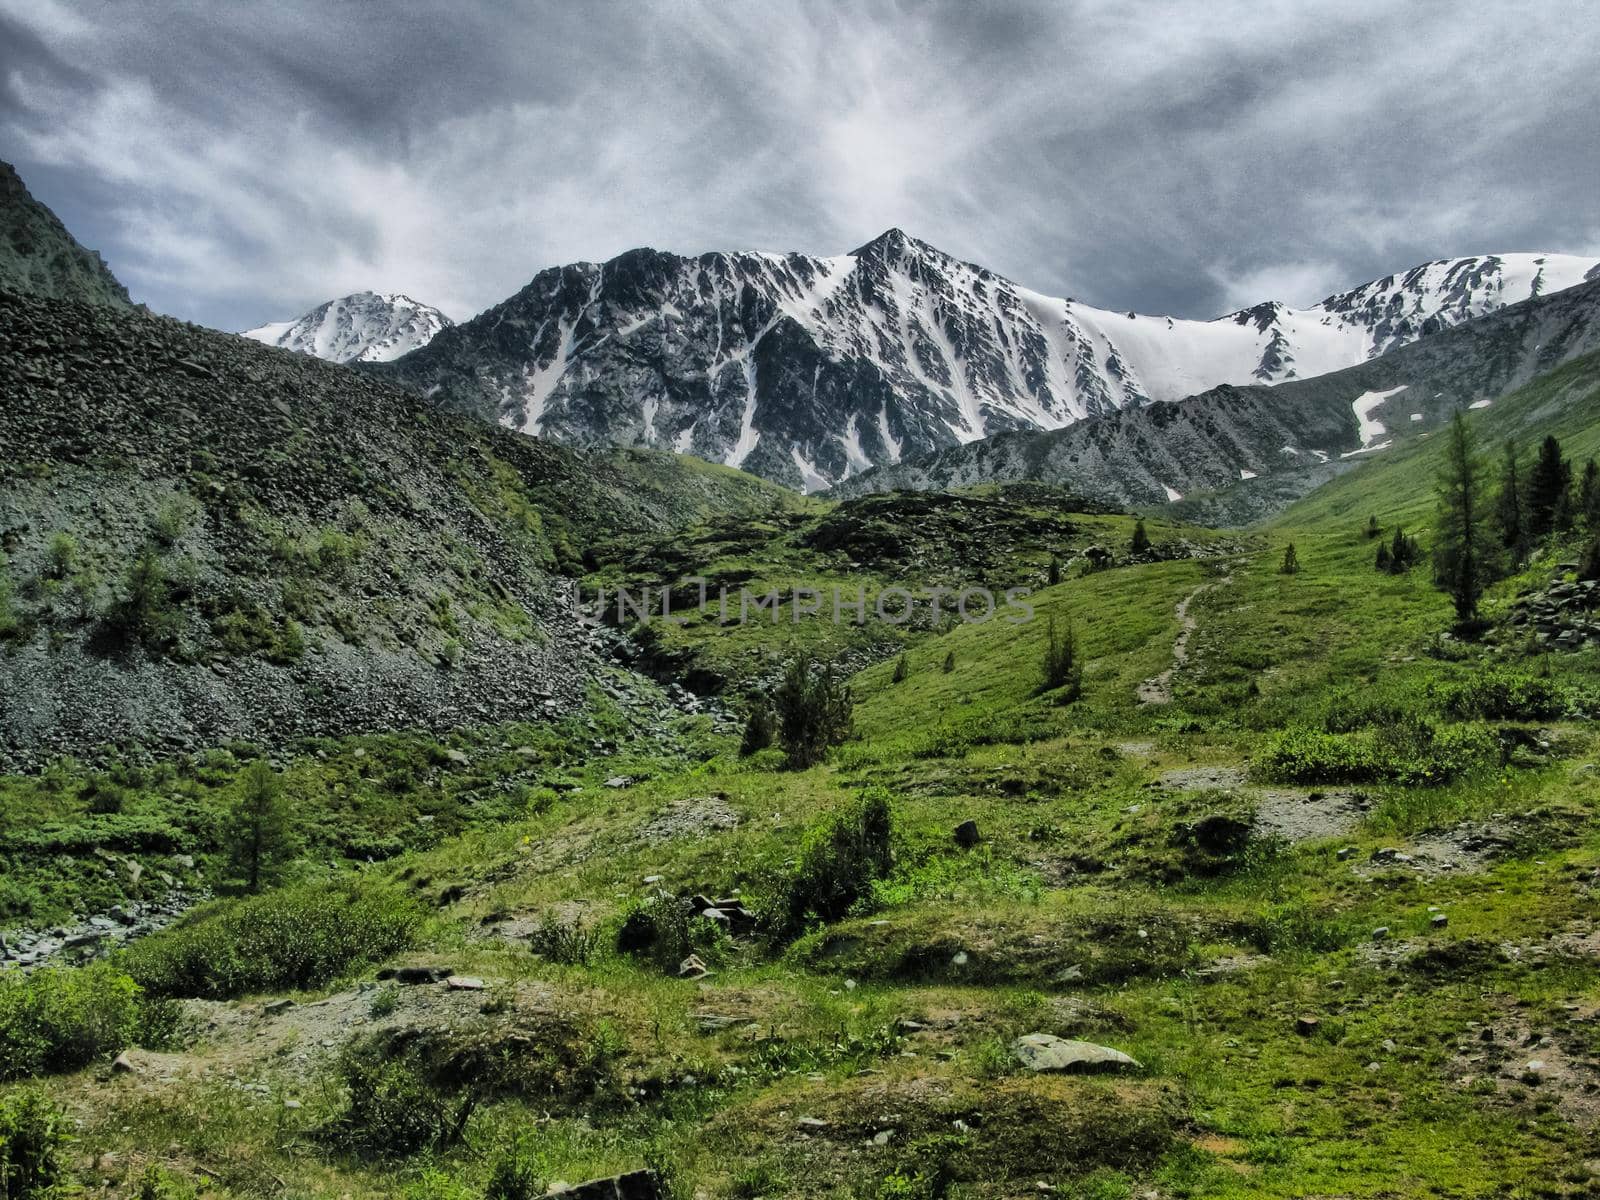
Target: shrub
x=1062, y=670
x=565, y=942
x=663, y=929
x=1141, y=540
x=1291, y=561
x=515, y=1174
x=1500, y=695
x=839, y=862
x=1588, y=568
x=1412, y=750
x=295, y=938
x=759, y=729
x=60, y=1019
x=61, y=556
x=11, y=624
x=144, y=610
x=1350, y=708
x=814, y=712
x=902, y=668
x=33, y=1133
x=1374, y=530
x=950, y=662
x=171, y=519
x=391, y=1109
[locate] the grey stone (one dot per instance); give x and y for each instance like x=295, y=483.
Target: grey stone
x=1046, y=1052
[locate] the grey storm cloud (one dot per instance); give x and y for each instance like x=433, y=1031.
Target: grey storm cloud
x=240, y=163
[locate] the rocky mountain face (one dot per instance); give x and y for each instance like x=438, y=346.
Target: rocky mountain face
x=1271, y=445
x=39, y=257
x=812, y=370
x=202, y=539
x=363, y=327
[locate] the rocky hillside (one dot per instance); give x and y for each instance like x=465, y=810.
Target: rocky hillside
x=364, y=327
x=811, y=370
x=205, y=539
x=39, y=256
x=1280, y=441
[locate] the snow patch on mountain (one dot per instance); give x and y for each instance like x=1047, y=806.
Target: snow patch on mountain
x=363, y=327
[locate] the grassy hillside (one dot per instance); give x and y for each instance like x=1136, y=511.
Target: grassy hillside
x=1328, y=876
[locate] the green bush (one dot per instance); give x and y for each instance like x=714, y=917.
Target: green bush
x=296, y=938
x=60, y=1019
x=839, y=862
x=760, y=729
x=1411, y=751
x=1500, y=695
x=814, y=710
x=1352, y=708
x=33, y=1132
x=392, y=1109
x=11, y=624
x=145, y=610
x=565, y=942
x=663, y=929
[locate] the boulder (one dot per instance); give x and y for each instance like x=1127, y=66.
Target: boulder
x=1046, y=1052
x=634, y=1185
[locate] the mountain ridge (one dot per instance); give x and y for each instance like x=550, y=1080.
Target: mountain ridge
x=810, y=370
x=1276, y=442
x=40, y=257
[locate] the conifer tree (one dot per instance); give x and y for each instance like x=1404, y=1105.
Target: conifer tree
x=1548, y=484
x=1291, y=561
x=1141, y=540
x=1062, y=670
x=1464, y=551
x=1589, y=497
x=260, y=828
x=1373, y=528
x=1510, y=514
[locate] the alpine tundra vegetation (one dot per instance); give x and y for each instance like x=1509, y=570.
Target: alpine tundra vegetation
x=746, y=725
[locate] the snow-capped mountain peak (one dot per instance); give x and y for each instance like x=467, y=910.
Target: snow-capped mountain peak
x=809, y=370
x=363, y=327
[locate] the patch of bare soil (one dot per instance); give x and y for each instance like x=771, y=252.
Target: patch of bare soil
x=1299, y=815
x=1510, y=1060
x=694, y=816
x=1296, y=814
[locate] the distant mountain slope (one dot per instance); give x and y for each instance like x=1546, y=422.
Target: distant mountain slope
x=810, y=370
x=363, y=327
x=204, y=538
x=38, y=256
x=1276, y=442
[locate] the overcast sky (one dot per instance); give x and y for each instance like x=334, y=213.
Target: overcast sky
x=242, y=162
